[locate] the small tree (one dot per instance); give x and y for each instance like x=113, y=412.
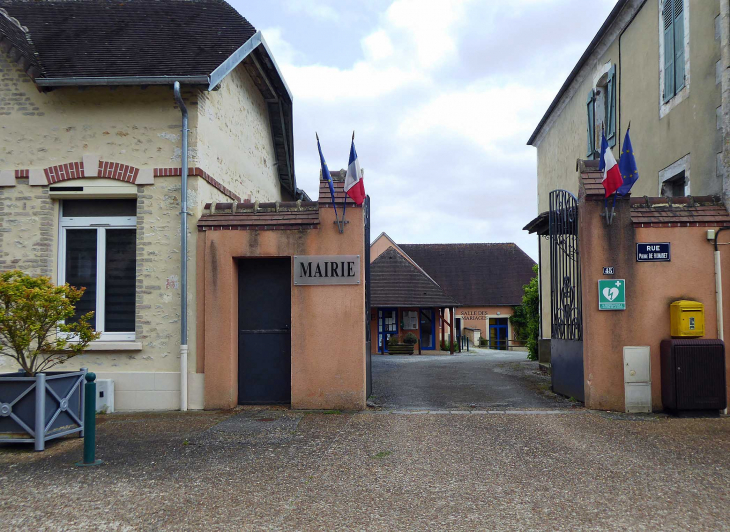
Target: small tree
x=32, y=313
x=526, y=317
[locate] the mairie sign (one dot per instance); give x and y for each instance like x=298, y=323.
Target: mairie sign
x=326, y=269
x=611, y=294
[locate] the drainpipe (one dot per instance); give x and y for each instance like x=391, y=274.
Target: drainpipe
x=183, y=253
x=718, y=287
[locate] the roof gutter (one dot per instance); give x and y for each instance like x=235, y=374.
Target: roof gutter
x=574, y=73
x=121, y=80
x=225, y=68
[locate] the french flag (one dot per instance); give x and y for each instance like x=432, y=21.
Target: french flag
x=354, y=186
x=612, y=179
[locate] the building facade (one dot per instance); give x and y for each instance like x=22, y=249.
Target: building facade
x=484, y=282
x=90, y=165
x=660, y=67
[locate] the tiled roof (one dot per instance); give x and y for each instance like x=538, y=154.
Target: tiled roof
x=591, y=179
x=700, y=211
x=476, y=274
x=260, y=216
x=338, y=181
x=395, y=282
x=115, y=38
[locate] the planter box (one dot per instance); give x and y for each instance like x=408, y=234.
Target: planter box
x=38, y=409
x=400, y=349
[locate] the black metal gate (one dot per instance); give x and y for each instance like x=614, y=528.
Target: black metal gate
x=264, y=331
x=368, y=340
x=566, y=345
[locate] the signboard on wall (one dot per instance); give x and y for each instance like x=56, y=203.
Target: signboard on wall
x=326, y=269
x=653, y=252
x=611, y=294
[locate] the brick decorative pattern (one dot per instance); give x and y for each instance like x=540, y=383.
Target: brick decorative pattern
x=119, y=171
x=126, y=173
x=199, y=172
x=64, y=172
x=108, y=169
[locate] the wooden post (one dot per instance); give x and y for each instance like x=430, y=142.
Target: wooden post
x=418, y=320
x=451, y=330
x=442, y=318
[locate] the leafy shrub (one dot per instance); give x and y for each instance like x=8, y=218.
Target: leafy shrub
x=526, y=317
x=410, y=339
x=32, y=313
x=393, y=340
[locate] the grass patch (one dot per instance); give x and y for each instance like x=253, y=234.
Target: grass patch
x=332, y=412
x=382, y=454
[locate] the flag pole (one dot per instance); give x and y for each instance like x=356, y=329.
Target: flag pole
x=328, y=176
x=344, y=201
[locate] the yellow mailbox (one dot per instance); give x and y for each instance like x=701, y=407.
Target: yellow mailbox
x=687, y=318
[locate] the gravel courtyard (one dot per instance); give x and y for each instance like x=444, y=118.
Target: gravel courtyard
x=268, y=469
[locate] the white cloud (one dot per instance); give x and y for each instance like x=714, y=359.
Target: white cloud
x=442, y=108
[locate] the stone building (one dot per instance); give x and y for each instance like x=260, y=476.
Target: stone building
x=660, y=69
x=90, y=164
x=677, y=105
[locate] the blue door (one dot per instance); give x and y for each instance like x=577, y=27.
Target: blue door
x=498, y=333
x=387, y=326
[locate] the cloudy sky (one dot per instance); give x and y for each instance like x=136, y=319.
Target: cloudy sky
x=442, y=96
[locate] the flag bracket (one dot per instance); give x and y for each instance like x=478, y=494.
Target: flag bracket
x=608, y=215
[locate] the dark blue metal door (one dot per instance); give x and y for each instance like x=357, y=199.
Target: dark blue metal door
x=264, y=331
x=387, y=326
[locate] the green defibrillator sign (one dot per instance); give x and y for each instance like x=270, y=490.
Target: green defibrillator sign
x=611, y=294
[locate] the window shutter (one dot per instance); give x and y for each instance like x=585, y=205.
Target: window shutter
x=678, y=45
x=590, y=104
x=668, y=50
x=611, y=107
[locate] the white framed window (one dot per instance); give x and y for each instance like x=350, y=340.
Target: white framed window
x=673, y=53
x=97, y=250
x=674, y=179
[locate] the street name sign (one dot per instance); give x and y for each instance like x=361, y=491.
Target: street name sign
x=611, y=294
x=326, y=269
x=653, y=252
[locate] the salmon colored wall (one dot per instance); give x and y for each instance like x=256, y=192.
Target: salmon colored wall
x=379, y=246
x=328, y=322
x=650, y=288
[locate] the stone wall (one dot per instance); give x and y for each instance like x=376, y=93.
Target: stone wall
x=234, y=138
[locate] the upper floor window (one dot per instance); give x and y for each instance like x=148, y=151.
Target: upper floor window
x=601, y=111
x=674, y=179
x=97, y=251
x=673, y=49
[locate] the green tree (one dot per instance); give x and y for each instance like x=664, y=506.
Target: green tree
x=526, y=317
x=33, y=313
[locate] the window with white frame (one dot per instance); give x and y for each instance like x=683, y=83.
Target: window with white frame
x=673, y=52
x=97, y=251
x=674, y=179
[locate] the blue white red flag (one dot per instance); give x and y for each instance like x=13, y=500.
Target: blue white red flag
x=627, y=166
x=612, y=180
x=353, y=180
x=326, y=175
